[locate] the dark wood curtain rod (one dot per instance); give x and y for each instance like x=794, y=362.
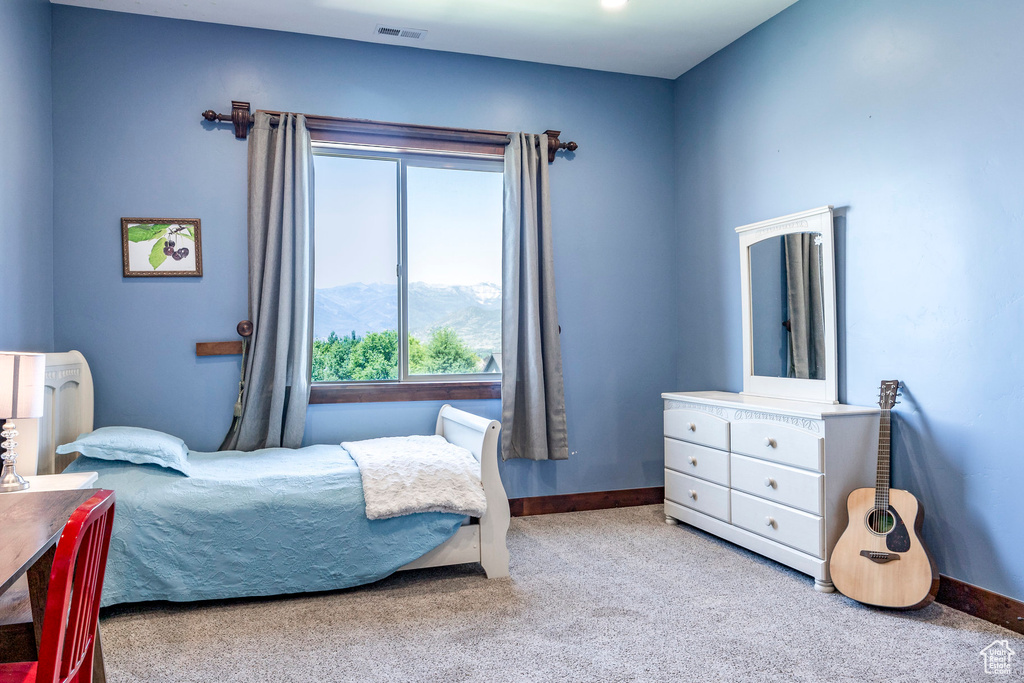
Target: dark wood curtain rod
x=335, y=129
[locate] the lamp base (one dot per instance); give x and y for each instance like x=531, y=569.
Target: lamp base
x=11, y=480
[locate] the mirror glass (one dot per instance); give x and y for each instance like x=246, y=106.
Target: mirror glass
x=787, y=306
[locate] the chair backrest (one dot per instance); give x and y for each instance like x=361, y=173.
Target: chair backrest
x=73, y=600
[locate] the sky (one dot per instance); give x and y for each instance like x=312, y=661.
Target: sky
x=454, y=223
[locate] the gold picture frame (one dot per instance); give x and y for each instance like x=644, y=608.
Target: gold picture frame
x=161, y=247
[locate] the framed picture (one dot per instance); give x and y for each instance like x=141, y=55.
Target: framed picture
x=161, y=247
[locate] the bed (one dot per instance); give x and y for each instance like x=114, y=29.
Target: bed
x=271, y=522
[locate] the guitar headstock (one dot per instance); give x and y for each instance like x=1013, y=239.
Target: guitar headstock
x=887, y=393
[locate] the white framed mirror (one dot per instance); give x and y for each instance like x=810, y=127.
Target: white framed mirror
x=787, y=270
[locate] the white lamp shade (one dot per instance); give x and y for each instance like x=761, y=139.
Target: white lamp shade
x=22, y=385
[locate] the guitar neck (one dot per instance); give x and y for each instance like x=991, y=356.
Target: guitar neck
x=882, y=476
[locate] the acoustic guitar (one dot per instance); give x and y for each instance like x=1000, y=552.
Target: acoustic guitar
x=880, y=559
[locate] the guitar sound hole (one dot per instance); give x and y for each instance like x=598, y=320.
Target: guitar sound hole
x=881, y=521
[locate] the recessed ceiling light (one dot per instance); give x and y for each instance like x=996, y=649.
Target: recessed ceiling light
x=613, y=4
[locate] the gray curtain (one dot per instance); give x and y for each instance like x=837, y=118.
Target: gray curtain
x=277, y=368
x=532, y=396
x=806, y=314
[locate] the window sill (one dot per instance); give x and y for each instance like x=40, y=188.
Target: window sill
x=379, y=392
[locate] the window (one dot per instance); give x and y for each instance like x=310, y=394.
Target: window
x=408, y=267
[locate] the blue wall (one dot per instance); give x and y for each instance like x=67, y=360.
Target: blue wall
x=26, y=177
x=907, y=117
x=128, y=92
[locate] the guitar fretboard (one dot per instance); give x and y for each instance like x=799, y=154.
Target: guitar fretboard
x=882, y=476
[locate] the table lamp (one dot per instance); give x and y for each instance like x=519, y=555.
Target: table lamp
x=22, y=389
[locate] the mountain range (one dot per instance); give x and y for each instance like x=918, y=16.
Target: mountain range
x=473, y=311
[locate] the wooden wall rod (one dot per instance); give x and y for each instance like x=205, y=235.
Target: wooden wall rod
x=242, y=118
x=226, y=348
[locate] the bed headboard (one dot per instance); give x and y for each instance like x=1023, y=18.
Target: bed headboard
x=67, y=412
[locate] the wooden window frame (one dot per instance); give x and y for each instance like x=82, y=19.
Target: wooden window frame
x=379, y=392
x=389, y=138
x=404, y=136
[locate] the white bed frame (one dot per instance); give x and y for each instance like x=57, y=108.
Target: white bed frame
x=68, y=412
x=483, y=542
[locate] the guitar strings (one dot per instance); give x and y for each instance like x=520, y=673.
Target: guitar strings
x=879, y=520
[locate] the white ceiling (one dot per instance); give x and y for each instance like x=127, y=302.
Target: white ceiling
x=661, y=38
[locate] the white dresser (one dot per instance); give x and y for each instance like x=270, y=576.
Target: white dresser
x=771, y=475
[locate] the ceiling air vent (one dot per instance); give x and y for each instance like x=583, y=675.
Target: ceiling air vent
x=396, y=32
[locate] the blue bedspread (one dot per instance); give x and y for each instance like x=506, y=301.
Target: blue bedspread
x=264, y=523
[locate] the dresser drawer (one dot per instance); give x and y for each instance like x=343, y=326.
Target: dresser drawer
x=778, y=483
x=772, y=441
x=697, y=427
x=697, y=494
x=785, y=525
x=700, y=461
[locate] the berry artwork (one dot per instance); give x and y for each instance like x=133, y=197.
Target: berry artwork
x=160, y=246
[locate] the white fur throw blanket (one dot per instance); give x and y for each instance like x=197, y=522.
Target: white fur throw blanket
x=406, y=474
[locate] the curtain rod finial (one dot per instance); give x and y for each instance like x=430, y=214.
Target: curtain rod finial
x=241, y=116
x=554, y=144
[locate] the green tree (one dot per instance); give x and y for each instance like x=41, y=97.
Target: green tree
x=330, y=357
x=319, y=361
x=447, y=353
x=375, y=356
x=417, y=357
x=340, y=350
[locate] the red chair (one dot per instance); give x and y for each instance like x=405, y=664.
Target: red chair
x=73, y=599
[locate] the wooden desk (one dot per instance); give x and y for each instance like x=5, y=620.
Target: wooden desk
x=30, y=525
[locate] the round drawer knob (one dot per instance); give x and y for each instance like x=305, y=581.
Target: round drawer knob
x=693, y=461
x=692, y=427
x=769, y=521
x=769, y=482
x=770, y=442
x=693, y=494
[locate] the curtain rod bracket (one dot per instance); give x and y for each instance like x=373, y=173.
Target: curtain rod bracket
x=241, y=116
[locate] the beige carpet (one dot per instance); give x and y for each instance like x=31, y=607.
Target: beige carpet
x=611, y=595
